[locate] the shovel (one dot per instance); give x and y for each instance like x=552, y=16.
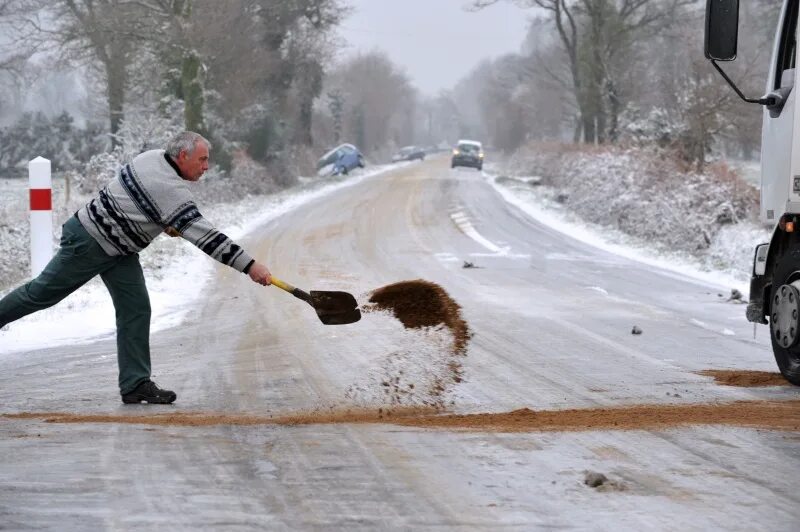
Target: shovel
x=333, y=308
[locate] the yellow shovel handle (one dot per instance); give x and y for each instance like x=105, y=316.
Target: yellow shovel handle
x=296, y=292
x=282, y=285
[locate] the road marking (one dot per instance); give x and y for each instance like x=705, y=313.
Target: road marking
x=464, y=225
x=446, y=257
x=703, y=325
x=613, y=261
x=598, y=289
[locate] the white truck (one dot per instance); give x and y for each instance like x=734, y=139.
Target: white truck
x=775, y=281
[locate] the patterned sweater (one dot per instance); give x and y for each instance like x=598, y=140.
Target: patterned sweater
x=147, y=196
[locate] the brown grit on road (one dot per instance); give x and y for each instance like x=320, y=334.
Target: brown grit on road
x=745, y=378
x=776, y=415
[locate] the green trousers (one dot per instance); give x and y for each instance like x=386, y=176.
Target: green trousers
x=78, y=260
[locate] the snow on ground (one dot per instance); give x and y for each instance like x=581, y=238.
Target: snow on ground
x=536, y=203
x=88, y=314
x=650, y=196
x=749, y=170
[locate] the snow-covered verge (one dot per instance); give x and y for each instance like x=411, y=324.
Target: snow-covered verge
x=645, y=200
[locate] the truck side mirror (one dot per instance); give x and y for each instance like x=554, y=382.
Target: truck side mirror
x=722, y=29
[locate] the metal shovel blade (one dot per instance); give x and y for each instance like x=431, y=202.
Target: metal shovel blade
x=335, y=308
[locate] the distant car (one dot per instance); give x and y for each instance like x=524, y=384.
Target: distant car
x=468, y=153
x=409, y=153
x=340, y=160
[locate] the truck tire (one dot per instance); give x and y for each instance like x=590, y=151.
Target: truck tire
x=780, y=327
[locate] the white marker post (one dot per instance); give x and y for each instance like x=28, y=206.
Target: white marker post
x=41, y=214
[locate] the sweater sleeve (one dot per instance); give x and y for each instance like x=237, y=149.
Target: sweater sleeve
x=188, y=221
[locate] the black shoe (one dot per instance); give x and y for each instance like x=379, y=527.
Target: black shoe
x=149, y=392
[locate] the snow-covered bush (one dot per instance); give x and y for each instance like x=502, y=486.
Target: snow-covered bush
x=246, y=178
x=14, y=258
x=146, y=131
x=96, y=172
x=135, y=135
x=648, y=195
x=655, y=128
x=303, y=161
x=57, y=139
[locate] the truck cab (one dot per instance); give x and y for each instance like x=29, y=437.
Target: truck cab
x=775, y=280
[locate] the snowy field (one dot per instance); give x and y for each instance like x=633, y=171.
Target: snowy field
x=88, y=314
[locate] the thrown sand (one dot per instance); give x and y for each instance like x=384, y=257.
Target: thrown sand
x=421, y=303
x=426, y=363
x=744, y=378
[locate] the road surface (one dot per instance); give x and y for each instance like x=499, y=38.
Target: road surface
x=552, y=322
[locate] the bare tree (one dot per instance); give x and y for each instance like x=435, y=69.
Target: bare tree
x=307, y=50
x=168, y=30
x=296, y=35
x=336, y=108
x=378, y=101
x=594, y=33
x=95, y=32
x=441, y=119
x=233, y=53
x=17, y=20
x=178, y=47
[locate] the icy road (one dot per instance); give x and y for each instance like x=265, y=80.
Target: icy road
x=551, y=319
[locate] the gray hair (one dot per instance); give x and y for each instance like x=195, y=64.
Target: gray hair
x=185, y=141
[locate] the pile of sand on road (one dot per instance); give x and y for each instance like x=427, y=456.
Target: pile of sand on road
x=745, y=378
x=779, y=415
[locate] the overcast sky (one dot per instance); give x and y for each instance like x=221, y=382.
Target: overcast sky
x=435, y=41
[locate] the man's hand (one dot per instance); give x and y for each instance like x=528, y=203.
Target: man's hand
x=260, y=274
x=171, y=231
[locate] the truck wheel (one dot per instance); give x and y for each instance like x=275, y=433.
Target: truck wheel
x=784, y=320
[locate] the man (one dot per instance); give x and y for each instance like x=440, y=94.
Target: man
x=148, y=196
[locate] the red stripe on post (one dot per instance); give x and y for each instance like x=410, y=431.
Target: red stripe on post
x=41, y=199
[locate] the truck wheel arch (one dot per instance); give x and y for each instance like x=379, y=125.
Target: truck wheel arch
x=787, y=270
x=780, y=244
